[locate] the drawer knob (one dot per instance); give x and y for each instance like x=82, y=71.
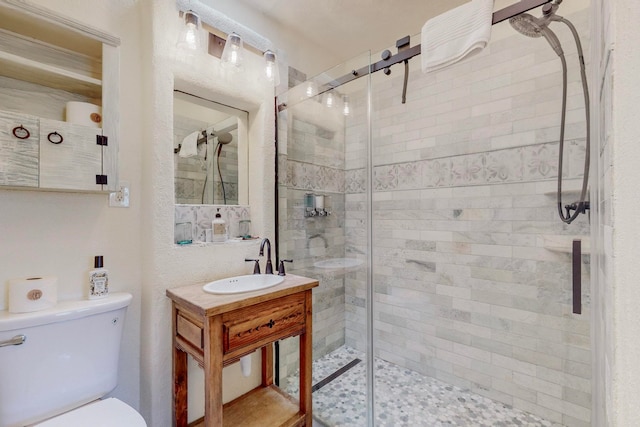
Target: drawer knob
x=271, y=323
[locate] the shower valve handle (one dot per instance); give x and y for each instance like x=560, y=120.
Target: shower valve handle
x=581, y=207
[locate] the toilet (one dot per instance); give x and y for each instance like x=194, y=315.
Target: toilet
x=58, y=364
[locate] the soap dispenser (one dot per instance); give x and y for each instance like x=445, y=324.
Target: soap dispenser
x=98, y=280
x=219, y=227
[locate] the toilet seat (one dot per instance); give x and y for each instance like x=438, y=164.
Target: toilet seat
x=110, y=412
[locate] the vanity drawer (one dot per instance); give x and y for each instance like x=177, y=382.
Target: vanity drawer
x=264, y=322
x=189, y=331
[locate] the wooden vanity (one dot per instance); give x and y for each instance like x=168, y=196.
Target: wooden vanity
x=219, y=329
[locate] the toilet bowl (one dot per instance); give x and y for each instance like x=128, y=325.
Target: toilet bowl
x=110, y=412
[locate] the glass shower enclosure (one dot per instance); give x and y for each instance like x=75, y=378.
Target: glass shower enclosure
x=445, y=275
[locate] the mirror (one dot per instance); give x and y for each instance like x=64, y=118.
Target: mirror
x=210, y=152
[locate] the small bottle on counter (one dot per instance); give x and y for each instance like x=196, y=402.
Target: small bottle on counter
x=219, y=229
x=98, y=279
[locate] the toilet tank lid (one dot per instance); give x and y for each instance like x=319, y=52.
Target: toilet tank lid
x=110, y=412
x=63, y=311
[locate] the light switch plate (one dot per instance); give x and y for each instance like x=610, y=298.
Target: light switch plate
x=120, y=198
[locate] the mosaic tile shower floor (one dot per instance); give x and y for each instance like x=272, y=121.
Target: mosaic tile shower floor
x=403, y=398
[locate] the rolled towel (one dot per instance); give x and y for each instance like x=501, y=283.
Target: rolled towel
x=189, y=146
x=456, y=34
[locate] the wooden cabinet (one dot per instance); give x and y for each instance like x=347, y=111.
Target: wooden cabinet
x=216, y=330
x=46, y=61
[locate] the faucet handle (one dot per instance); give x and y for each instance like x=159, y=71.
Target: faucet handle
x=256, y=267
x=281, y=266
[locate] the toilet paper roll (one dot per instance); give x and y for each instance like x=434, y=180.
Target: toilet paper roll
x=32, y=294
x=84, y=113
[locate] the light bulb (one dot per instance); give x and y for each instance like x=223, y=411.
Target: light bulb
x=189, y=38
x=329, y=100
x=232, y=53
x=311, y=89
x=271, y=67
x=346, y=110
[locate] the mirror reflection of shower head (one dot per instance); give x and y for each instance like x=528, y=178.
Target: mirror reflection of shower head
x=225, y=138
x=531, y=26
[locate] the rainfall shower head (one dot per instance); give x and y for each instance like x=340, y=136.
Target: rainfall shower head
x=531, y=26
x=225, y=138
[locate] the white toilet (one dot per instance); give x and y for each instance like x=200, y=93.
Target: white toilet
x=68, y=360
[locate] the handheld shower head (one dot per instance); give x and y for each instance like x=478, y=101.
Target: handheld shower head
x=527, y=25
x=531, y=26
x=225, y=138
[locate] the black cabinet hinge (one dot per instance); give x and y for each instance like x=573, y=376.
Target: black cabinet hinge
x=102, y=140
x=101, y=179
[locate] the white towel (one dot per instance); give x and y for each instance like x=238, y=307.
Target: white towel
x=456, y=34
x=189, y=147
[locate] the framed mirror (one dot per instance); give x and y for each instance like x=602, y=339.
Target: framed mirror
x=210, y=152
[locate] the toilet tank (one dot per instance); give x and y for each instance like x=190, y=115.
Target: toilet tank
x=69, y=357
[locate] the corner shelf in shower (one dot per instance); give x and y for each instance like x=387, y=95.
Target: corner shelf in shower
x=563, y=244
x=565, y=193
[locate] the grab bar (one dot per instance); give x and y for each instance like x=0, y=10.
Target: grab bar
x=17, y=340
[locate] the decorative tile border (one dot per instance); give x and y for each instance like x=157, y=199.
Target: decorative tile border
x=307, y=176
x=200, y=217
x=527, y=163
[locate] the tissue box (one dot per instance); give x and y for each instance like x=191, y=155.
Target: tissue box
x=32, y=294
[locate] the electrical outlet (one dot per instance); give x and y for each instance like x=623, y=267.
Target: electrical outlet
x=120, y=198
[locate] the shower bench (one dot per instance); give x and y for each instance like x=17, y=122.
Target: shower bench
x=216, y=330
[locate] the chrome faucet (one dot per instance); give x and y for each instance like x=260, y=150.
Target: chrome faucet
x=269, y=267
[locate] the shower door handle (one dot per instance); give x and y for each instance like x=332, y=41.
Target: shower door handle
x=577, y=276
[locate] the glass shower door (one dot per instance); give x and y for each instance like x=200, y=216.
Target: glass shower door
x=323, y=205
x=472, y=268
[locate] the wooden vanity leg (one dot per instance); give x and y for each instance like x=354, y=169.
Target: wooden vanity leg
x=267, y=365
x=306, y=350
x=179, y=379
x=213, y=371
x=180, y=387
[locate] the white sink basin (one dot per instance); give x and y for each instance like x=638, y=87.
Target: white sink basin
x=239, y=284
x=338, y=263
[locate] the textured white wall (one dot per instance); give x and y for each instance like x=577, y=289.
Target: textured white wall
x=59, y=233
x=166, y=265
x=625, y=205
x=616, y=153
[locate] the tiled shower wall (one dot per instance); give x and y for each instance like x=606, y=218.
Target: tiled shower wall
x=311, y=160
x=471, y=264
